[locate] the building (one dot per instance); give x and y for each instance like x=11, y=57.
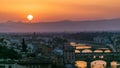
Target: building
x=24, y=65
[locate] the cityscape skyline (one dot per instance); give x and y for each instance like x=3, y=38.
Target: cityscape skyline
x=59, y=33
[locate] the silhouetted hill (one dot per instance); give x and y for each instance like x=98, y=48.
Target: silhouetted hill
x=61, y=26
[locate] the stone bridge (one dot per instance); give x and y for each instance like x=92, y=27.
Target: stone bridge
x=89, y=57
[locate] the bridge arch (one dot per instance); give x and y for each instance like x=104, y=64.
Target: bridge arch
x=98, y=51
x=81, y=64
x=107, y=51
x=114, y=64
x=77, y=51
x=98, y=64
x=73, y=43
x=86, y=51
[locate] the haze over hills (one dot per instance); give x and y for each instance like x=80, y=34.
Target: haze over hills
x=61, y=26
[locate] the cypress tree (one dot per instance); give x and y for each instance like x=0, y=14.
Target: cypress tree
x=24, y=46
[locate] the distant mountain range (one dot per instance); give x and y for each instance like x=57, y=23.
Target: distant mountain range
x=62, y=26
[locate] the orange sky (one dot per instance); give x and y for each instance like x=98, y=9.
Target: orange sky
x=53, y=10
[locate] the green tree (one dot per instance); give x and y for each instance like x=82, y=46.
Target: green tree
x=8, y=53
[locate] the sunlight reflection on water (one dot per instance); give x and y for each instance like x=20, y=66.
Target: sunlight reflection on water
x=95, y=64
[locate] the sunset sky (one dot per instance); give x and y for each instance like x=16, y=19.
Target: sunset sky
x=55, y=10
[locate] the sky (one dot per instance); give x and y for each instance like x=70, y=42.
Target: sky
x=55, y=10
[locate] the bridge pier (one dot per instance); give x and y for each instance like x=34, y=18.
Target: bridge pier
x=88, y=64
x=108, y=64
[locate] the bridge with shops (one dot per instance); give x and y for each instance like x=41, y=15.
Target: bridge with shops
x=89, y=57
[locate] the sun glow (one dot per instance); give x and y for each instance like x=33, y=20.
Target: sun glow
x=30, y=17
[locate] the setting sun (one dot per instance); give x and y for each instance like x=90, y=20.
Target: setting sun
x=54, y=10
x=30, y=17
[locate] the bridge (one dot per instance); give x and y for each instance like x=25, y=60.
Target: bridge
x=89, y=57
x=90, y=53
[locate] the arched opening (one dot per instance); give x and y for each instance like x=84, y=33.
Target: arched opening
x=107, y=51
x=81, y=64
x=98, y=64
x=98, y=51
x=77, y=51
x=113, y=64
x=73, y=43
x=87, y=51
